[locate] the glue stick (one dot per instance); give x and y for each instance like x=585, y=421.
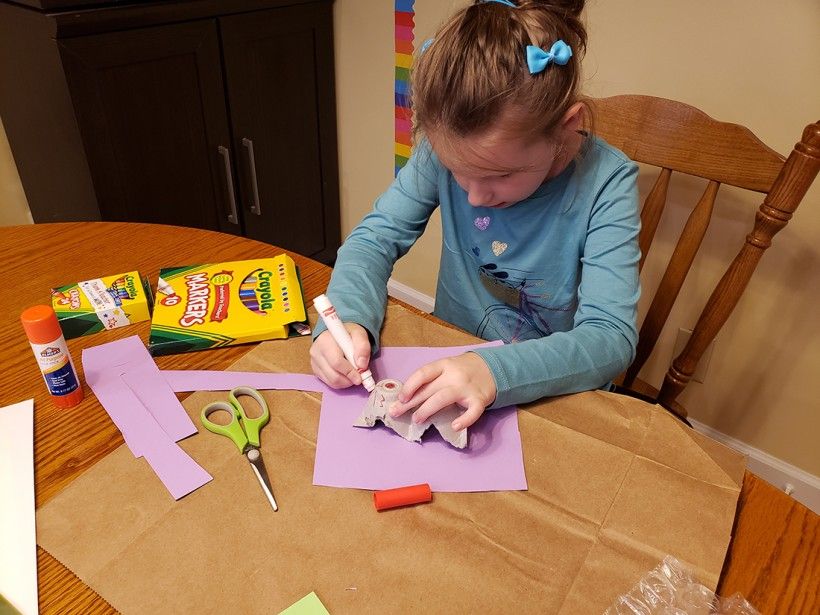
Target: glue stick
x=50, y=350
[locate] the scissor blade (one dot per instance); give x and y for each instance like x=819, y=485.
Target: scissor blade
x=258, y=467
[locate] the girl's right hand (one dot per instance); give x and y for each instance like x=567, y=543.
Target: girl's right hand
x=329, y=363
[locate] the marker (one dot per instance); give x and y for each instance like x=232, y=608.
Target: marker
x=341, y=335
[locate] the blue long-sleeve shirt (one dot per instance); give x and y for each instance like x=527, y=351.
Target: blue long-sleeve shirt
x=555, y=276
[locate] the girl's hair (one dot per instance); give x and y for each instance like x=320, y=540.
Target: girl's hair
x=475, y=69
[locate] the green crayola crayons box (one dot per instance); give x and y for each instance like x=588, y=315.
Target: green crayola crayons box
x=104, y=303
x=223, y=304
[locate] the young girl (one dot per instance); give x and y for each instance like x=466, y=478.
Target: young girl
x=540, y=220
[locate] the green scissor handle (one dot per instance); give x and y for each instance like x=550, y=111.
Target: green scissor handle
x=252, y=425
x=234, y=429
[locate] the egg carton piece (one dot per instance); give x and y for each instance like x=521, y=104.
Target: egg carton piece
x=385, y=393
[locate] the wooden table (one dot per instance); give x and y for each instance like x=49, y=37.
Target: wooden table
x=773, y=560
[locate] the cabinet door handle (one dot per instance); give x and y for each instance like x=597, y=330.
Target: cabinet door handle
x=256, y=207
x=233, y=217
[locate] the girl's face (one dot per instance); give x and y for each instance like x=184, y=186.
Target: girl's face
x=497, y=169
x=500, y=174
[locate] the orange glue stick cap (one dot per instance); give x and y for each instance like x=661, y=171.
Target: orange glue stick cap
x=402, y=496
x=40, y=324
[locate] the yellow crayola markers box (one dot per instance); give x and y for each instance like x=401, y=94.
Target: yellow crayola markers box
x=104, y=303
x=223, y=304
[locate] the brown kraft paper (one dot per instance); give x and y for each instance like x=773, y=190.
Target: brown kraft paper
x=614, y=485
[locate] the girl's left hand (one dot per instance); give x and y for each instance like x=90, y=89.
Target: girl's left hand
x=464, y=380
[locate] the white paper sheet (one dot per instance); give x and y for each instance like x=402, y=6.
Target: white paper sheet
x=18, y=540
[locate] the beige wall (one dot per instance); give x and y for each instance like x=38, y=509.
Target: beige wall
x=13, y=204
x=754, y=63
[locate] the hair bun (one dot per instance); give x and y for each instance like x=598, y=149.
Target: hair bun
x=572, y=7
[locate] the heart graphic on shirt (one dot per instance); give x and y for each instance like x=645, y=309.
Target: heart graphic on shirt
x=482, y=223
x=498, y=247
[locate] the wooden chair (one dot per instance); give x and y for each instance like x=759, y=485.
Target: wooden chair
x=677, y=137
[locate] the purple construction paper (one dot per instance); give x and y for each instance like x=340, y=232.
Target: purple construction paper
x=129, y=360
x=178, y=472
x=115, y=354
x=113, y=396
x=378, y=458
x=182, y=381
x=145, y=436
x=103, y=365
x=150, y=387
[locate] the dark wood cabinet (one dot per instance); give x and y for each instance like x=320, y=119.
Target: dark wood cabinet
x=217, y=115
x=151, y=109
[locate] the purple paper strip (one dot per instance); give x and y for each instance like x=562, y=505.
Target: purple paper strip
x=178, y=472
x=150, y=387
x=377, y=458
x=114, y=354
x=103, y=366
x=128, y=360
x=182, y=381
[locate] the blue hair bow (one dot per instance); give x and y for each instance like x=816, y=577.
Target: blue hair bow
x=538, y=59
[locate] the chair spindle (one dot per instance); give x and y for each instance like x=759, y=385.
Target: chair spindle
x=788, y=190
x=653, y=207
x=673, y=278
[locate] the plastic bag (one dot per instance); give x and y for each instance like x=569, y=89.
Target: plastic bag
x=671, y=589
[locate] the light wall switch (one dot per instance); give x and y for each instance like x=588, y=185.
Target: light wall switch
x=703, y=364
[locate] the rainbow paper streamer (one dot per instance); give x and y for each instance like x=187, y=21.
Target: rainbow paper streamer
x=404, y=58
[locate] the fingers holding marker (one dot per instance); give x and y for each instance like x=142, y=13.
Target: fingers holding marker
x=350, y=372
x=341, y=334
x=330, y=366
x=361, y=345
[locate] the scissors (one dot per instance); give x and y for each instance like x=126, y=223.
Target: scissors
x=243, y=431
